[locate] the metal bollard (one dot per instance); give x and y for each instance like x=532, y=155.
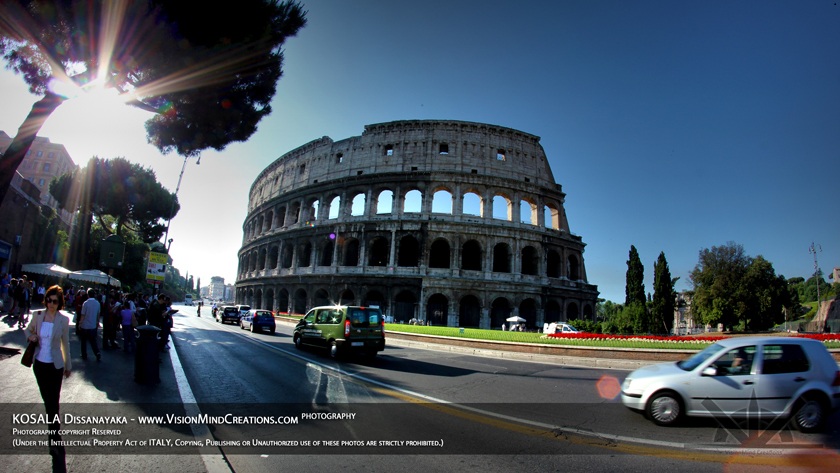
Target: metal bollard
x=146, y=365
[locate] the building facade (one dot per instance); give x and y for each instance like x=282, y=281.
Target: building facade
x=444, y=222
x=43, y=162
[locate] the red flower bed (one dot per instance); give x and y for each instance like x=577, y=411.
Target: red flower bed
x=652, y=338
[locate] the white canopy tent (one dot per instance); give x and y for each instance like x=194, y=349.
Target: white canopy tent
x=46, y=269
x=95, y=276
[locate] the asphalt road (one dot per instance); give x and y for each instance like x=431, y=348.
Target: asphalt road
x=450, y=411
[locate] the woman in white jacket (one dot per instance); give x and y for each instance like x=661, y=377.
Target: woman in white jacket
x=50, y=328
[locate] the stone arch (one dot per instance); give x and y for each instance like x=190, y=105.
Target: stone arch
x=385, y=202
x=437, y=309
x=325, y=252
x=502, y=208
x=350, y=256
x=305, y=254
x=501, y=258
x=300, y=305
x=473, y=204
x=553, y=264
x=573, y=268
x=471, y=256
x=553, y=312
x=572, y=311
x=500, y=310
x=530, y=261
x=413, y=201
x=469, y=311
x=347, y=297
x=379, y=252
x=442, y=202
x=440, y=254
x=528, y=311
x=321, y=297
x=405, y=305
x=283, y=300
x=375, y=298
x=409, y=252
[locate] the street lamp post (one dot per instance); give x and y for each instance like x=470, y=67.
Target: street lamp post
x=177, y=188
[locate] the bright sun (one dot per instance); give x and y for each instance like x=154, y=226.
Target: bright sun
x=97, y=115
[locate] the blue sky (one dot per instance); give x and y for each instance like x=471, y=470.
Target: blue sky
x=672, y=126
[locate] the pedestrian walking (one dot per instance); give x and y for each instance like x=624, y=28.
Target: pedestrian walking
x=50, y=329
x=88, y=324
x=128, y=320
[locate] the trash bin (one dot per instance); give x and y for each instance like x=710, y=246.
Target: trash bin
x=146, y=364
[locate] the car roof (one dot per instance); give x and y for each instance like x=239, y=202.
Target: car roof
x=754, y=339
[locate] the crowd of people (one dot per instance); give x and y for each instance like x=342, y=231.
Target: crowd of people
x=117, y=313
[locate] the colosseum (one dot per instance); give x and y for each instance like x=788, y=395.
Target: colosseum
x=441, y=222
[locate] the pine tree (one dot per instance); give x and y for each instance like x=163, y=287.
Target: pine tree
x=635, y=288
x=662, y=308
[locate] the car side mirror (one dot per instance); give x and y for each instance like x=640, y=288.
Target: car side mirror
x=709, y=371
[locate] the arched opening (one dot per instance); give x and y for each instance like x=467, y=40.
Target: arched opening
x=553, y=312
x=469, y=312
x=358, y=205
x=413, y=202
x=530, y=261
x=500, y=310
x=528, y=311
x=437, y=310
x=439, y=255
x=573, y=267
x=385, y=202
x=378, y=252
x=322, y=297
x=472, y=204
x=404, y=306
x=347, y=297
x=305, y=255
x=442, y=202
x=351, y=252
x=552, y=269
x=300, y=302
x=501, y=258
x=471, y=256
x=409, y=252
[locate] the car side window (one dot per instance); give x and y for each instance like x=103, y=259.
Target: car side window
x=784, y=358
x=735, y=362
x=310, y=317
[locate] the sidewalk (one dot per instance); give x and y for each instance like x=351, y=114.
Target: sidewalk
x=109, y=381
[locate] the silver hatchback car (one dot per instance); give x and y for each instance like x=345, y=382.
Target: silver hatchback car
x=764, y=377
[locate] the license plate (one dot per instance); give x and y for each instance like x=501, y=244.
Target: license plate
x=357, y=344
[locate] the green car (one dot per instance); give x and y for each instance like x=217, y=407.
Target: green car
x=342, y=329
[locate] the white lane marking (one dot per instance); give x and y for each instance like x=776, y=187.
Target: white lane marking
x=215, y=462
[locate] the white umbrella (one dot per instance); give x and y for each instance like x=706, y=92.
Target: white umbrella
x=94, y=276
x=47, y=269
x=516, y=319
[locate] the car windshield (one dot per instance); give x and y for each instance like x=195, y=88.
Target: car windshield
x=697, y=359
x=361, y=317
x=262, y=315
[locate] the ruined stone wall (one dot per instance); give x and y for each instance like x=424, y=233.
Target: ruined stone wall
x=446, y=222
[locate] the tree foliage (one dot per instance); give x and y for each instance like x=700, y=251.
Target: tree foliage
x=635, y=286
x=664, y=297
x=209, y=77
x=736, y=290
x=126, y=192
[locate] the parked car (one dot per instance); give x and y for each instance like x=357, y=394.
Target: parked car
x=342, y=329
x=565, y=328
x=755, y=377
x=228, y=313
x=257, y=320
x=243, y=310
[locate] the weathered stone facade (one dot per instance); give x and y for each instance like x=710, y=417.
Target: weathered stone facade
x=446, y=222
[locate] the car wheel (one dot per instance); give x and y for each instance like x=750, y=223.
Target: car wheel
x=333, y=350
x=252, y=328
x=272, y=331
x=810, y=414
x=298, y=342
x=664, y=408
